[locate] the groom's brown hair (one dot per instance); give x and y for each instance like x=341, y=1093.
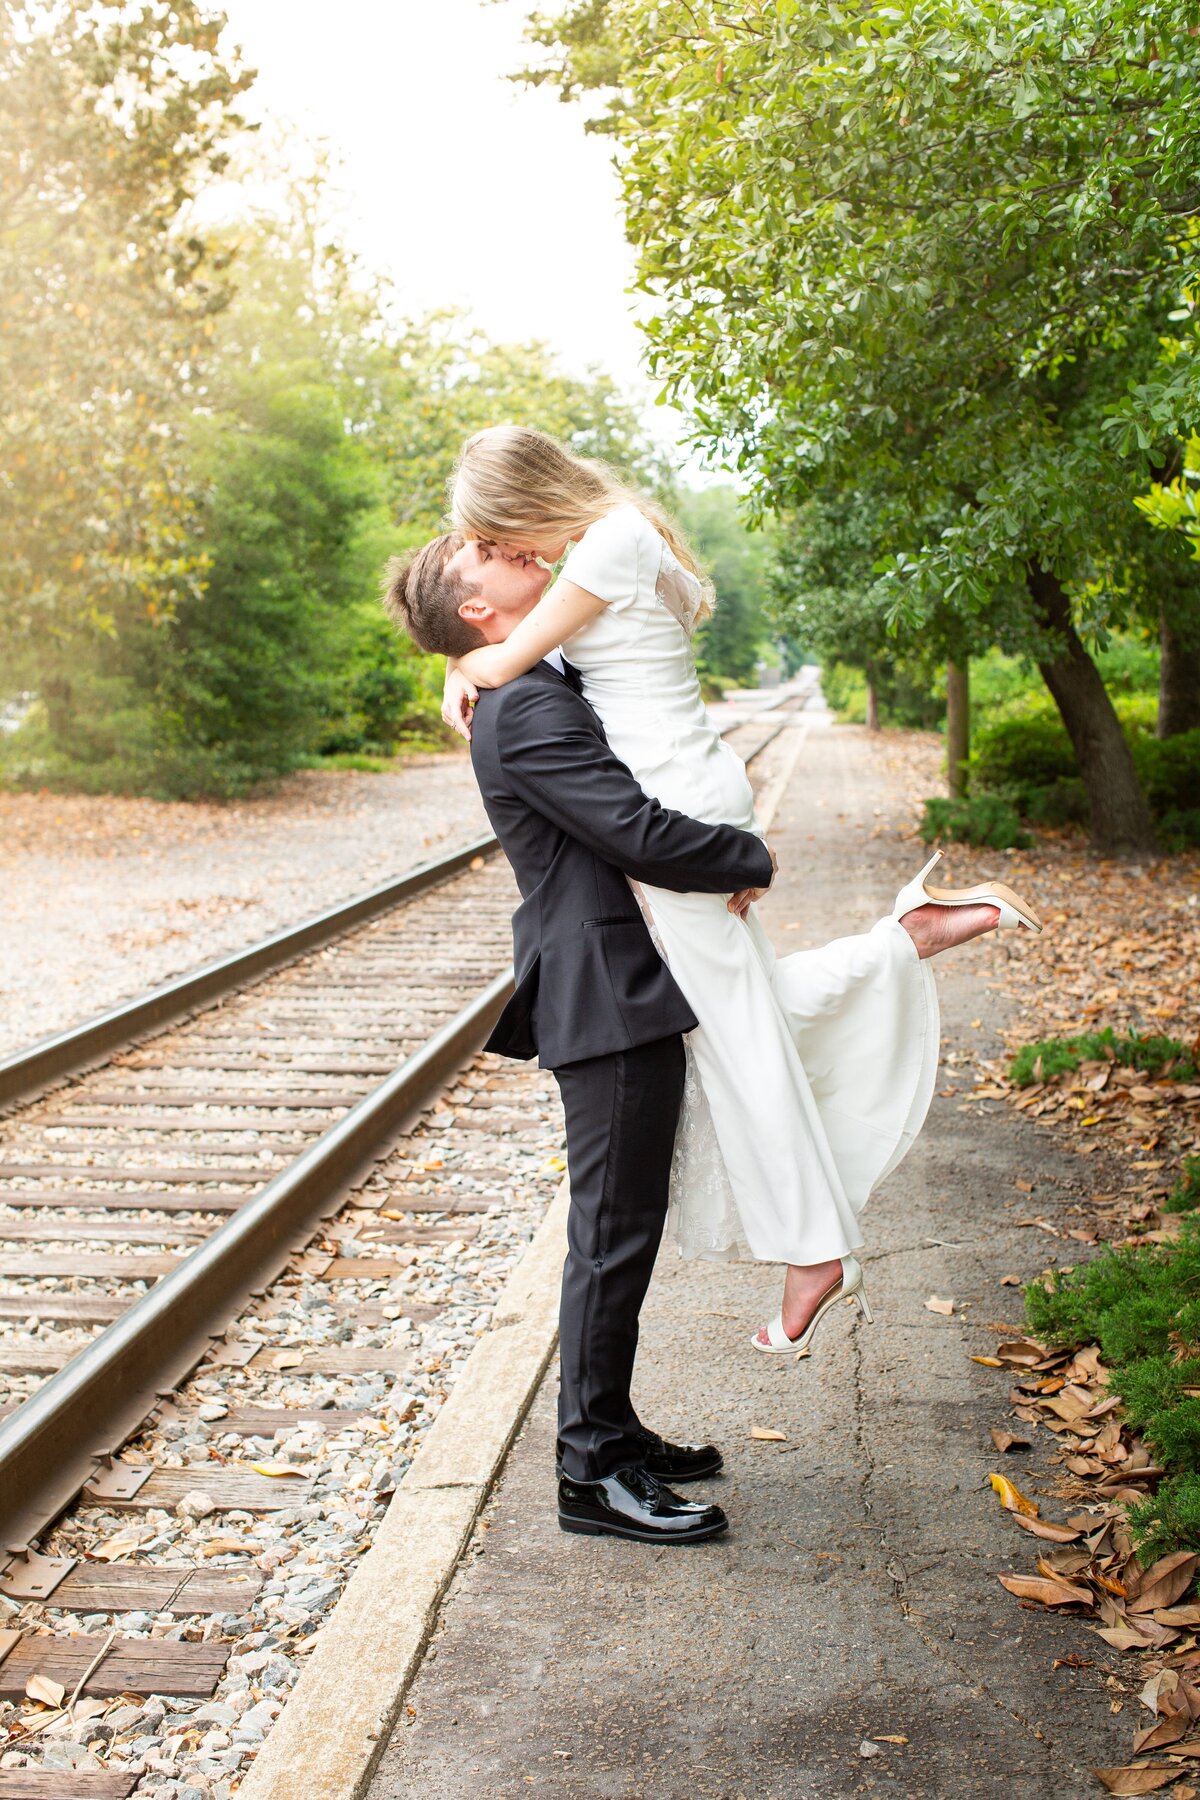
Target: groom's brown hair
x=422, y=597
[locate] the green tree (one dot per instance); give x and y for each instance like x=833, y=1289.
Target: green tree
x=111, y=118
x=934, y=243
x=729, y=644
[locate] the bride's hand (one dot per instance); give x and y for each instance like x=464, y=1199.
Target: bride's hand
x=458, y=701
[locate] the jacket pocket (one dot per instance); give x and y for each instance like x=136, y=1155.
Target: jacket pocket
x=615, y=919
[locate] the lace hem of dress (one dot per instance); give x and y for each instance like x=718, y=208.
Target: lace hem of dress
x=702, y=1217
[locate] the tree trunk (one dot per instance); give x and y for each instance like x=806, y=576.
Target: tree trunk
x=958, y=726
x=1120, y=817
x=872, y=706
x=1179, y=672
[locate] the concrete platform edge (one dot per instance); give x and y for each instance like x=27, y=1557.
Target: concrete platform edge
x=328, y=1739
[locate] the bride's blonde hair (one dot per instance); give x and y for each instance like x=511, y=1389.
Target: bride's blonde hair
x=511, y=482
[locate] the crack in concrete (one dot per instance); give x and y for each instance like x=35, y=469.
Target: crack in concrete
x=895, y=1568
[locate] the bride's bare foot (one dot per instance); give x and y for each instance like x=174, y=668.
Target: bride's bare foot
x=933, y=928
x=803, y=1290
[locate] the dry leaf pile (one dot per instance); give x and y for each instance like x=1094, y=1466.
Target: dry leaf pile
x=1087, y=1562
x=1121, y=947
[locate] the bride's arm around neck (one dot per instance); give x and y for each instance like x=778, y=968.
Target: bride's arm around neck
x=562, y=610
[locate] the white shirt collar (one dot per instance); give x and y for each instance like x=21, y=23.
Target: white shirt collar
x=555, y=659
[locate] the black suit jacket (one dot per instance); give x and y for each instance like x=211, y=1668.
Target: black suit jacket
x=574, y=822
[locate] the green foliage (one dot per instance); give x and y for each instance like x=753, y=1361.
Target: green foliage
x=1168, y=1519
x=987, y=820
x=845, y=691
x=1170, y=769
x=1163, y=1058
x=1134, y=1302
x=729, y=645
x=1021, y=753
x=1185, y=1195
x=1175, y=505
x=1141, y=1305
x=246, y=688
x=1026, y=757
x=111, y=120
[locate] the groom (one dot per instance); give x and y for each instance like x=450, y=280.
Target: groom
x=596, y=1004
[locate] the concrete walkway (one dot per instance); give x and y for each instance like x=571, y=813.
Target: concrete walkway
x=855, y=1596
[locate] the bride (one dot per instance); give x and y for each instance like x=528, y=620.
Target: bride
x=809, y=1075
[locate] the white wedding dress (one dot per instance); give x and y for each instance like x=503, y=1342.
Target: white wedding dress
x=809, y=1075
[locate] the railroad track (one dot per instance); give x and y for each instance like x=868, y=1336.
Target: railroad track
x=228, y=1168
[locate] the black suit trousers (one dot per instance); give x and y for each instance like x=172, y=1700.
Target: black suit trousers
x=621, y=1112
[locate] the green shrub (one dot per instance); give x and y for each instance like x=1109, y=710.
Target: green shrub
x=1179, y=828
x=1185, y=1195
x=1063, y=801
x=1141, y=1305
x=983, y=819
x=1017, y=755
x=1130, y=665
x=1129, y=1301
x=1138, y=714
x=1157, y=1056
x=1169, y=769
x=845, y=690
x=1169, y=1519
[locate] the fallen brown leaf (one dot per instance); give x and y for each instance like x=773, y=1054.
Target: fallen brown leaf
x=1165, y=1581
x=1043, y=1528
x=1007, y=1440
x=1162, y=1732
x=1136, y=1778
x=114, y=1548
x=945, y=1307
x=1046, y=1590
x=1012, y=1498
x=43, y=1688
x=763, y=1435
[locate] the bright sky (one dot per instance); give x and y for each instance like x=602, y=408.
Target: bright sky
x=465, y=188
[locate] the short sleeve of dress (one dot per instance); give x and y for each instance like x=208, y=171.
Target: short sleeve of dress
x=605, y=560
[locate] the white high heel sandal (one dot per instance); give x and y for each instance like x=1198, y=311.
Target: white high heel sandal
x=849, y=1286
x=1014, y=910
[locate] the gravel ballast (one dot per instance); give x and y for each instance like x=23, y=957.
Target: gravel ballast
x=104, y=897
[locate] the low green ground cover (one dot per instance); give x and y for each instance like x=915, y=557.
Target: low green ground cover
x=1163, y=1058
x=1141, y=1305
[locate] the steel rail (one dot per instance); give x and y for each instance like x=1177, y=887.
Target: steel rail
x=28, y=1072
x=77, y=1420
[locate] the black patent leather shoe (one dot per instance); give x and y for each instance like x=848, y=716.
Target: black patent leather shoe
x=673, y=1462
x=631, y=1503
x=680, y=1462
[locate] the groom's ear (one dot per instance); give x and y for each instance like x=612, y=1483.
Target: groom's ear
x=476, y=611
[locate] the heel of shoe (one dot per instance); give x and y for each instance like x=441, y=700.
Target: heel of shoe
x=582, y=1527
x=864, y=1305
x=913, y=894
